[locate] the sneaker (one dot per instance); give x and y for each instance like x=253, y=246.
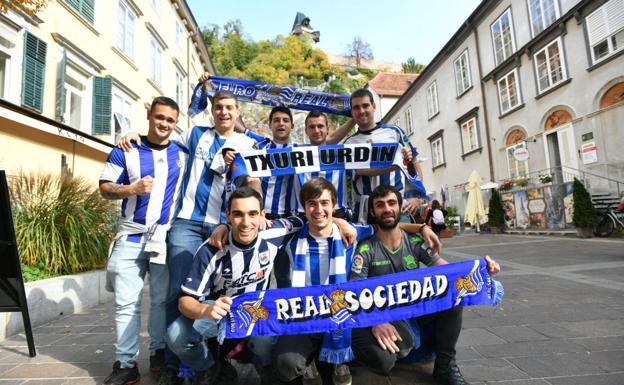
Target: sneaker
x=123, y=376
x=169, y=377
x=157, y=363
x=448, y=374
x=341, y=375
x=311, y=375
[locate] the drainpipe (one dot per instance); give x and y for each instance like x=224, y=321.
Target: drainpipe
x=485, y=113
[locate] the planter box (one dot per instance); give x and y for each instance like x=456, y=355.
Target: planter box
x=446, y=233
x=48, y=299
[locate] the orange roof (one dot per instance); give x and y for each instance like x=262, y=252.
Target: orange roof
x=391, y=84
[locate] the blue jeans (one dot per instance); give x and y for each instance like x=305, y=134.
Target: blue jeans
x=187, y=339
x=185, y=237
x=125, y=275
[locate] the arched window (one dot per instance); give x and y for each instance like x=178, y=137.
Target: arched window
x=516, y=139
x=613, y=95
x=556, y=119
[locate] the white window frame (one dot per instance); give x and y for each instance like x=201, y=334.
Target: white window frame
x=516, y=163
x=121, y=103
x=512, y=41
x=604, y=25
x=179, y=32
x=463, y=80
x=155, y=61
x=432, y=100
x=125, y=29
x=408, y=118
x=6, y=81
x=541, y=6
x=179, y=88
x=437, y=152
x=505, y=89
x=69, y=90
x=470, y=135
x=549, y=65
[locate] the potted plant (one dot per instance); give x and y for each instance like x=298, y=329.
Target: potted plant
x=506, y=185
x=545, y=178
x=584, y=217
x=522, y=181
x=452, y=219
x=496, y=218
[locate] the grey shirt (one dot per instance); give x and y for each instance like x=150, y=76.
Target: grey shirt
x=372, y=258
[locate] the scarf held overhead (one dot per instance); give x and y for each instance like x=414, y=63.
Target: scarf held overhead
x=269, y=95
x=361, y=303
x=297, y=160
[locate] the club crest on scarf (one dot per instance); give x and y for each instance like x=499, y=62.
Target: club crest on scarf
x=468, y=285
x=250, y=312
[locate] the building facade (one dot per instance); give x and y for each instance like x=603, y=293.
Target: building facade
x=81, y=73
x=524, y=88
x=387, y=88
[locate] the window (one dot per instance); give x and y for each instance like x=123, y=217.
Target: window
x=605, y=29
x=516, y=167
x=502, y=36
x=470, y=136
x=462, y=73
x=542, y=13
x=549, y=65
x=179, y=33
x=432, y=100
x=85, y=8
x=125, y=29
x=122, y=112
x=4, y=71
x=73, y=106
x=437, y=152
x=179, y=90
x=155, y=61
x=509, y=91
x=408, y=119
x=33, y=72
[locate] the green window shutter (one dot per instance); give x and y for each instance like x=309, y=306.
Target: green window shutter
x=102, y=105
x=60, y=88
x=33, y=76
x=86, y=8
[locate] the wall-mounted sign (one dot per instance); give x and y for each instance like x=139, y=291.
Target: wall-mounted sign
x=521, y=154
x=589, y=153
x=587, y=136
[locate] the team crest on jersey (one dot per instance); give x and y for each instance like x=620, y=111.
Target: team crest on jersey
x=264, y=258
x=251, y=312
x=409, y=262
x=357, y=263
x=179, y=162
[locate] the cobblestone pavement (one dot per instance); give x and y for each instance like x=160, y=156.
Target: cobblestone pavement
x=561, y=323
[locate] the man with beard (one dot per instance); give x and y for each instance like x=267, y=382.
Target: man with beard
x=392, y=250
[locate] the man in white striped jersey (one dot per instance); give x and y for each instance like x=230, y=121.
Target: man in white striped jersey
x=147, y=179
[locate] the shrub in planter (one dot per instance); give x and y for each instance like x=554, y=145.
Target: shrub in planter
x=496, y=218
x=62, y=224
x=584, y=217
x=522, y=181
x=545, y=178
x=506, y=185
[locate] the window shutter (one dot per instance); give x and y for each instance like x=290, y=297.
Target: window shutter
x=615, y=15
x=102, y=101
x=60, y=89
x=597, y=26
x=33, y=72
x=86, y=8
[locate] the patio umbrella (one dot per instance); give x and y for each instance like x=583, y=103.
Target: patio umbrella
x=475, y=213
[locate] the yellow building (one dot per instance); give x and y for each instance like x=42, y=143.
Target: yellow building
x=81, y=73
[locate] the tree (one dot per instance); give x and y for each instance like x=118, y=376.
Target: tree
x=31, y=7
x=496, y=216
x=584, y=212
x=359, y=49
x=411, y=67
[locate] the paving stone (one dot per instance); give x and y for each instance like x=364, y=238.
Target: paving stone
x=30, y=371
x=516, y=333
x=556, y=365
x=87, y=339
x=601, y=343
x=554, y=330
x=514, y=382
x=610, y=361
x=40, y=340
x=467, y=353
x=490, y=370
x=599, y=379
x=11, y=382
x=532, y=348
x=597, y=328
x=478, y=337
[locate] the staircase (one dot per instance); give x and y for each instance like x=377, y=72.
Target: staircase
x=602, y=201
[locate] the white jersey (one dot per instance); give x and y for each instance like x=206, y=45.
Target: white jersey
x=203, y=195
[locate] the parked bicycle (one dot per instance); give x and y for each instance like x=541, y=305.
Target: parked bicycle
x=608, y=221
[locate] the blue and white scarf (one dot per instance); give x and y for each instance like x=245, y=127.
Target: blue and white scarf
x=305, y=159
x=336, y=348
x=361, y=303
x=269, y=95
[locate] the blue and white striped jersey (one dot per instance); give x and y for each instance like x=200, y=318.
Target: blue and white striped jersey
x=164, y=164
x=237, y=270
x=203, y=195
x=363, y=186
x=278, y=192
x=336, y=177
x=317, y=258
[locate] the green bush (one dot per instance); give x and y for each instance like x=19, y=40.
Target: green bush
x=584, y=211
x=62, y=225
x=496, y=216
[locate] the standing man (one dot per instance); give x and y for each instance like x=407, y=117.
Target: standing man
x=147, y=179
x=202, y=201
x=363, y=112
x=392, y=250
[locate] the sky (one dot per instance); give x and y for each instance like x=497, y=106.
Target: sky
x=395, y=29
